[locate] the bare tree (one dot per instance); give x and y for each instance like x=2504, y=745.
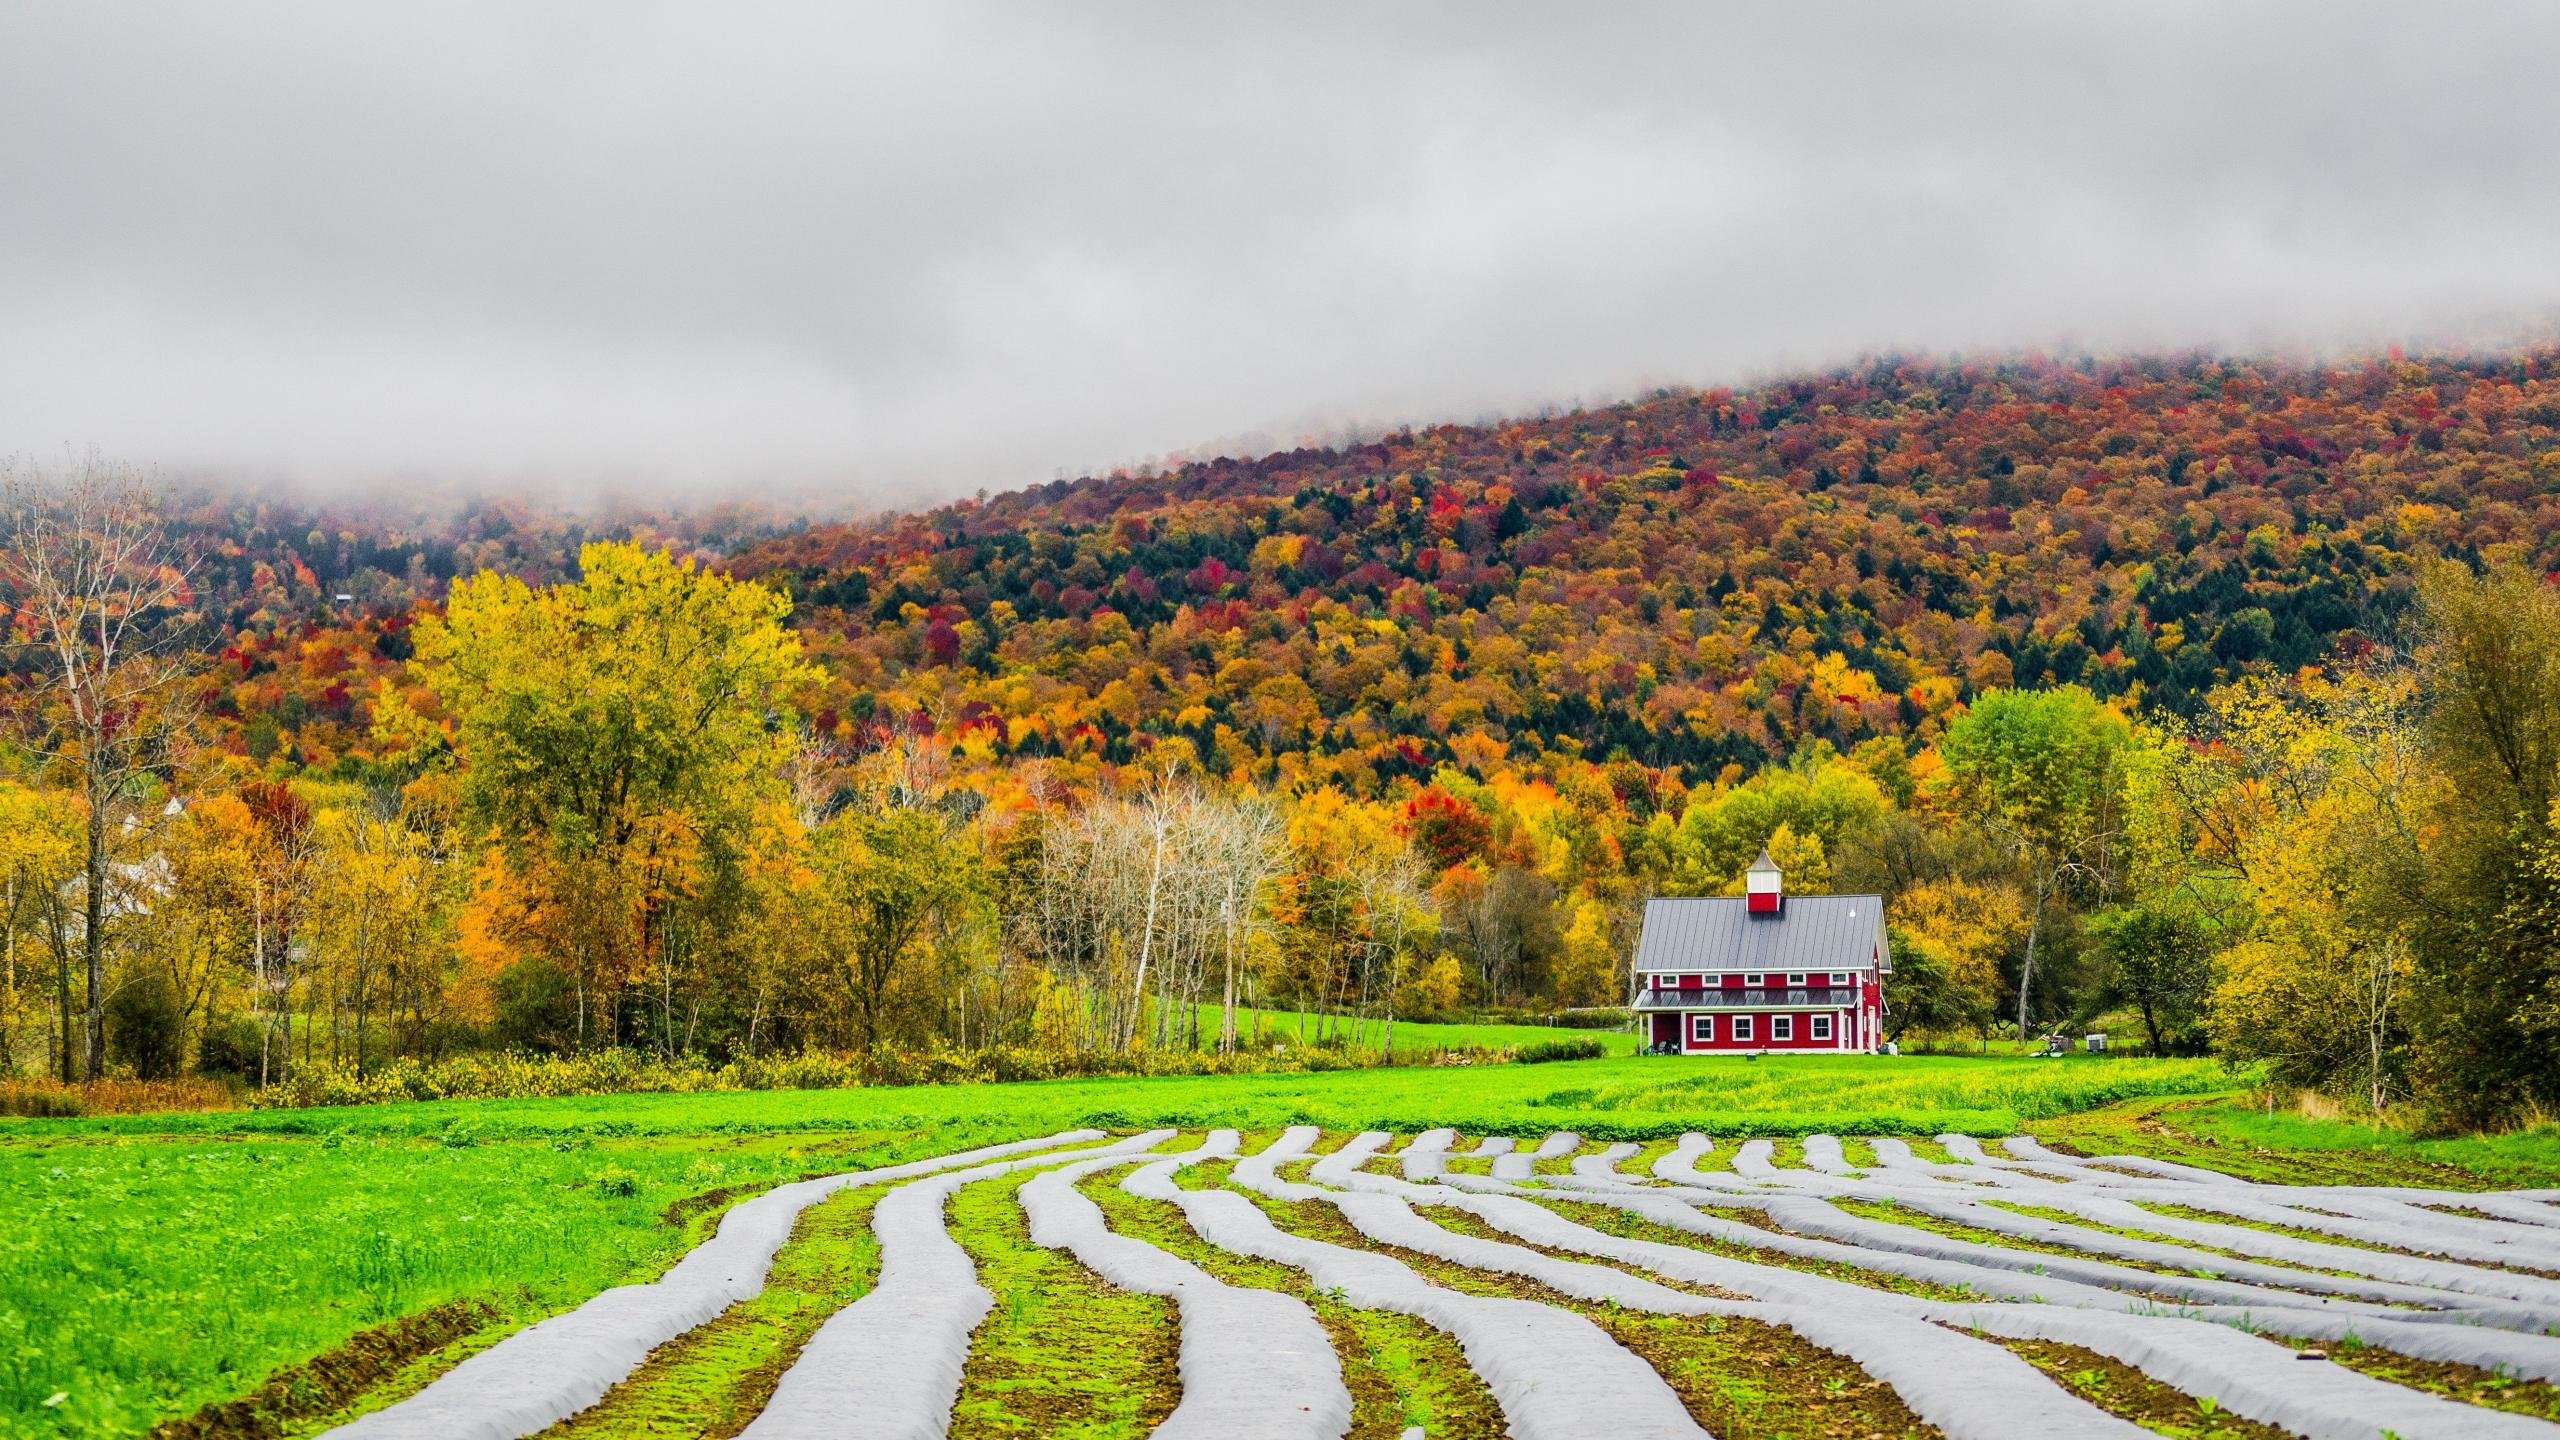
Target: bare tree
x=1396, y=905
x=1247, y=852
x=99, y=593
x=1142, y=900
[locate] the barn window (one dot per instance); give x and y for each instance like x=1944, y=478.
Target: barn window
x=1821, y=1027
x=1741, y=1027
x=1702, y=1029
x=1796, y=979
x=1754, y=978
x=1839, y=977
x=1782, y=1027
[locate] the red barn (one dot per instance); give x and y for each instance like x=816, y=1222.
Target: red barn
x=1764, y=970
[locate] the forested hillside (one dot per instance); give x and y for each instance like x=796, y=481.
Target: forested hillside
x=2214, y=702
x=1696, y=579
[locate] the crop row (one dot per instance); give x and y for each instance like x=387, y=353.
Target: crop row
x=1292, y=1284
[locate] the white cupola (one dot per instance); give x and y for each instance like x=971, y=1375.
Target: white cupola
x=1764, y=885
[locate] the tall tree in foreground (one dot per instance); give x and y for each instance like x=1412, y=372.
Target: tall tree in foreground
x=2312, y=793
x=2044, y=770
x=99, y=593
x=885, y=880
x=2162, y=961
x=616, y=737
x=2487, y=927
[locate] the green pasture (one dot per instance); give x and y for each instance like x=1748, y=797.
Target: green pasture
x=1264, y=1028
x=2243, y=1135
x=154, y=1264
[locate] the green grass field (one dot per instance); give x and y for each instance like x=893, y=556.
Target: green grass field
x=1291, y=1027
x=155, y=1264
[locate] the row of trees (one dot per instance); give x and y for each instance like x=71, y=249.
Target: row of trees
x=599, y=813
x=601, y=821
x=2381, y=849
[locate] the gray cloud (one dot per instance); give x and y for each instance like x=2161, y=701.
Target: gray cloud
x=908, y=251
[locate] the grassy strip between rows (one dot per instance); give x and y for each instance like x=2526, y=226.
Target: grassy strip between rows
x=1064, y=1353
x=1890, y=1213
x=2110, y=1385
x=711, y=1381
x=1740, y=1379
x=333, y=1384
x=2065, y=1217
x=1626, y=1225
x=1400, y=1371
x=2121, y=1390
x=2490, y=1389
x=2323, y=1237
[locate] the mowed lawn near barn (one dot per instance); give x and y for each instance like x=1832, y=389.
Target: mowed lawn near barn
x=1295, y=1029
x=324, y=1261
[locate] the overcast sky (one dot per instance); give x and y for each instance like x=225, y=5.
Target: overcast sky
x=907, y=252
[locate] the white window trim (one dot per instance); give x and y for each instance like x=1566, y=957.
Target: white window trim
x=1782, y=1027
x=1822, y=1028
x=1741, y=1027
x=1705, y=1024
x=1752, y=979
x=1795, y=978
x=1839, y=977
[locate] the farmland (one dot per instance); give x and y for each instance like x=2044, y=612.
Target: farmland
x=160, y=1264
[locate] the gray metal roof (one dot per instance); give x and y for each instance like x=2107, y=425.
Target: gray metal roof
x=1809, y=932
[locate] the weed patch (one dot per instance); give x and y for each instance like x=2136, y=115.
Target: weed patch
x=2121, y=1390
x=2490, y=1389
x=337, y=1378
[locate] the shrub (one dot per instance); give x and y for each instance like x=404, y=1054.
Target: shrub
x=42, y=1100
x=1581, y=1048
x=145, y=1030
x=537, y=1007
x=229, y=1046
x=39, y=1098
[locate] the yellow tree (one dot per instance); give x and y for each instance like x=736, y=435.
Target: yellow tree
x=40, y=848
x=200, y=913
x=1587, y=970
x=2310, y=794
x=1950, y=937
x=374, y=921
x=615, y=738
x=884, y=880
